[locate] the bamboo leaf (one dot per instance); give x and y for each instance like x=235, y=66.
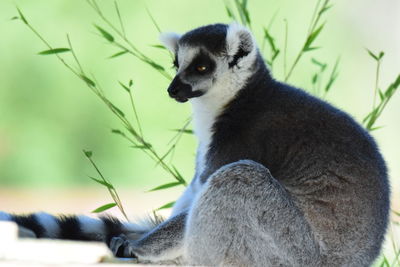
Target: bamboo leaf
x=155, y=65
x=104, y=207
x=88, y=81
x=396, y=213
x=381, y=94
x=373, y=55
x=275, y=55
x=108, y=185
x=311, y=48
x=22, y=16
x=165, y=186
x=54, y=51
x=375, y=128
x=105, y=34
x=333, y=76
x=159, y=46
x=118, y=54
x=116, y=131
x=311, y=38
x=125, y=87
x=186, y=131
x=179, y=176
x=166, y=206
x=319, y=64
x=229, y=12
x=314, y=78
x=117, y=110
x=88, y=154
x=324, y=9
x=270, y=39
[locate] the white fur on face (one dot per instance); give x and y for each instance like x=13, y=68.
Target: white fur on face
x=170, y=40
x=186, y=55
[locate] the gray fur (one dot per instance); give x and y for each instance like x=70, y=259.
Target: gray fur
x=282, y=178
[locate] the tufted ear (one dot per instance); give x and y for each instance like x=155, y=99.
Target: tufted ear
x=240, y=42
x=170, y=40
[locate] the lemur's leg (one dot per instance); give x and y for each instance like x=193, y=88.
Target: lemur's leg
x=163, y=243
x=244, y=217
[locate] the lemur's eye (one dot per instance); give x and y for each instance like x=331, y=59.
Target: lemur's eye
x=201, y=68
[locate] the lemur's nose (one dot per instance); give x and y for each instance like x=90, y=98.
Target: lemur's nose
x=173, y=91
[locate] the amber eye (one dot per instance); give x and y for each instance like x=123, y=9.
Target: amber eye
x=201, y=68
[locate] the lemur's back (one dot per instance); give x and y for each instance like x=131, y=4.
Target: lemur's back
x=328, y=163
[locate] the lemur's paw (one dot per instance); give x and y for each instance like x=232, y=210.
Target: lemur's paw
x=122, y=247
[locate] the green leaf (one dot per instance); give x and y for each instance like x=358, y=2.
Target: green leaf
x=375, y=128
x=179, y=176
x=319, y=64
x=14, y=18
x=165, y=186
x=385, y=262
x=381, y=95
x=105, y=34
x=88, y=81
x=372, y=55
x=275, y=55
x=167, y=206
x=155, y=65
x=186, y=131
x=87, y=153
x=108, y=185
x=396, y=212
x=104, y=207
x=381, y=54
x=159, y=46
x=130, y=83
x=314, y=78
x=270, y=39
x=324, y=9
x=229, y=12
x=54, y=51
x=118, y=54
x=333, y=76
x=125, y=87
x=116, y=131
x=22, y=16
x=311, y=38
x=311, y=48
x=117, y=110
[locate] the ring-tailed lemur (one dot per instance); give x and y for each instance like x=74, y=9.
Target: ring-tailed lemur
x=282, y=178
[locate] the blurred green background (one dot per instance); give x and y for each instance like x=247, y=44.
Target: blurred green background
x=47, y=115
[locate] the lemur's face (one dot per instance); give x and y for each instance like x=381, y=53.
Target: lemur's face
x=206, y=57
x=196, y=72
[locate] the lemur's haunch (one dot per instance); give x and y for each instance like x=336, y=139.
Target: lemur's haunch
x=282, y=178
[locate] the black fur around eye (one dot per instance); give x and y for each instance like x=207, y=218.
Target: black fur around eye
x=202, y=64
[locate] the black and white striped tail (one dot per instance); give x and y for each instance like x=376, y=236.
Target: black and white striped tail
x=77, y=227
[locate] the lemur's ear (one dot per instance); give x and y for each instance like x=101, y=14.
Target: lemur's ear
x=240, y=42
x=170, y=40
